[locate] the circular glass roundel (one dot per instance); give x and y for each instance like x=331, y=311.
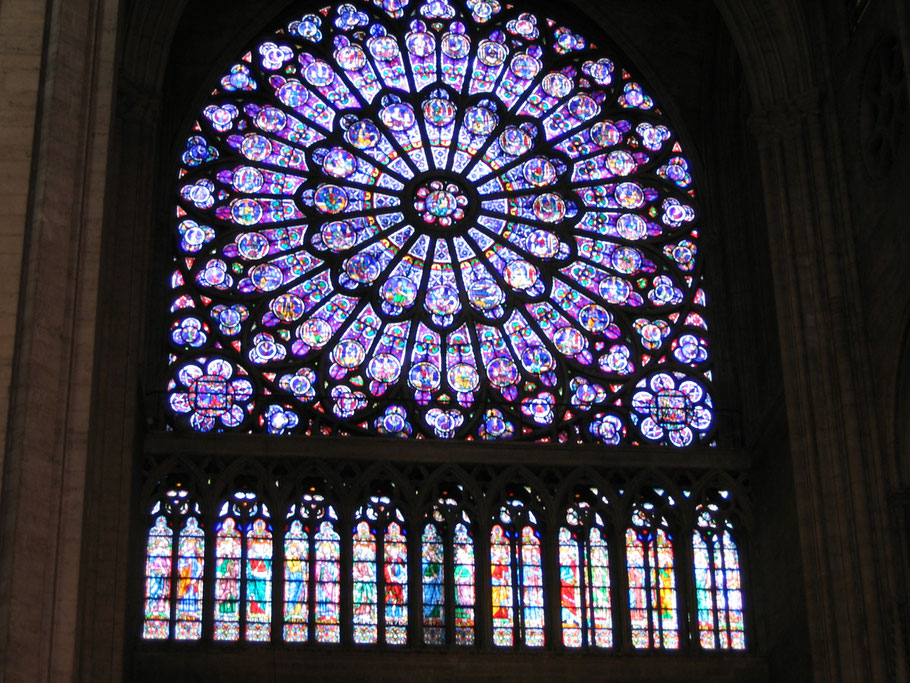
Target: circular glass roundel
x=392, y=212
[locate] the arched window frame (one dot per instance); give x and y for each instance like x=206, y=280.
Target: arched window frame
x=552, y=624
x=718, y=579
x=316, y=583
x=379, y=521
x=517, y=588
x=586, y=538
x=449, y=598
x=244, y=552
x=651, y=560
x=174, y=567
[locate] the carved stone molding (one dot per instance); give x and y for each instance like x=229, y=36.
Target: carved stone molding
x=784, y=119
x=137, y=102
x=884, y=106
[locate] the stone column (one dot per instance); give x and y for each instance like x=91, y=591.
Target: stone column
x=833, y=430
x=50, y=392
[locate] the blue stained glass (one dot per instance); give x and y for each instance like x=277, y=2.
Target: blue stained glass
x=437, y=220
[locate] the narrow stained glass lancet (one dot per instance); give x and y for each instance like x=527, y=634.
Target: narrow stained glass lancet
x=433, y=566
x=227, y=581
x=158, y=569
x=174, y=571
x=328, y=584
x=190, y=570
x=501, y=584
x=464, y=585
x=441, y=220
x=584, y=575
x=447, y=565
x=516, y=577
x=380, y=574
x=718, y=581
x=296, y=583
x=259, y=581
x=652, y=577
x=396, y=585
x=243, y=569
x=312, y=576
x=364, y=577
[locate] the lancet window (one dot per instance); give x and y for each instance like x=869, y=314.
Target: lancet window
x=516, y=575
x=174, y=572
x=651, y=568
x=380, y=573
x=718, y=577
x=448, y=572
x=584, y=573
x=243, y=569
x=312, y=574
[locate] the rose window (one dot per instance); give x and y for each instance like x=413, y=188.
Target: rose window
x=438, y=221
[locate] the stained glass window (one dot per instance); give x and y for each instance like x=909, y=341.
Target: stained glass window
x=190, y=571
x=243, y=569
x=516, y=577
x=652, y=575
x=584, y=576
x=448, y=568
x=380, y=574
x=434, y=599
x=438, y=220
x=158, y=568
x=174, y=597
x=718, y=581
x=312, y=574
x=442, y=220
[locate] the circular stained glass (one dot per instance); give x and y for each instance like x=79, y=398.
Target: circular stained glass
x=464, y=217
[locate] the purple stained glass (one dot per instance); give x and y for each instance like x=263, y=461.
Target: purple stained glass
x=442, y=230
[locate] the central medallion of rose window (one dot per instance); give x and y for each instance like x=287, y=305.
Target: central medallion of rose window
x=440, y=203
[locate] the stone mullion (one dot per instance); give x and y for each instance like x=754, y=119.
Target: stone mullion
x=46, y=446
x=686, y=592
x=868, y=461
x=903, y=30
x=414, y=568
x=122, y=280
x=823, y=360
x=619, y=586
x=483, y=615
